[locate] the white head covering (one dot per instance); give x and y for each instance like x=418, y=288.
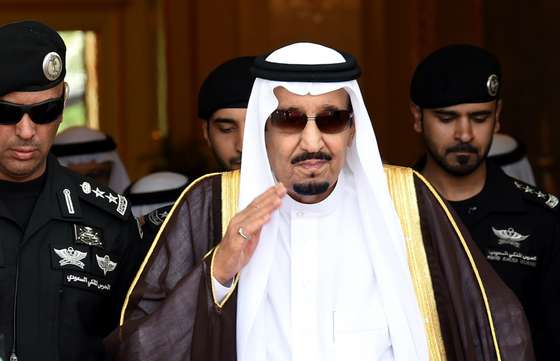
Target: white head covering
x=81, y=135
x=511, y=157
x=380, y=221
x=163, y=188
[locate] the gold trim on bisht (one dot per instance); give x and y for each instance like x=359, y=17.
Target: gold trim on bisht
x=471, y=261
x=220, y=304
x=230, y=197
x=156, y=241
x=403, y=192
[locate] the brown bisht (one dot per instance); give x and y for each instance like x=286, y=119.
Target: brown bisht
x=170, y=312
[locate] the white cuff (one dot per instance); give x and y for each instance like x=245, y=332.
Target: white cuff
x=220, y=291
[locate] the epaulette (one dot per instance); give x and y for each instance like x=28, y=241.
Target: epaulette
x=534, y=194
x=103, y=197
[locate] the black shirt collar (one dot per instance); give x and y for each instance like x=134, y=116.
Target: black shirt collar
x=498, y=195
x=13, y=189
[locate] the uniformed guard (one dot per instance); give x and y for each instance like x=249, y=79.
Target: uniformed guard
x=69, y=247
x=456, y=105
x=222, y=107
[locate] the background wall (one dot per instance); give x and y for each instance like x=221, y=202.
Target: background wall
x=387, y=37
x=524, y=34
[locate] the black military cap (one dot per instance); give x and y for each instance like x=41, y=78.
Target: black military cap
x=227, y=86
x=32, y=57
x=456, y=74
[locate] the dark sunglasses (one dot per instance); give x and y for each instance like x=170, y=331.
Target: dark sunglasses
x=293, y=121
x=40, y=113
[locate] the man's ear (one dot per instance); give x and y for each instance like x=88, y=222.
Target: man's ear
x=498, y=124
x=205, y=130
x=416, y=113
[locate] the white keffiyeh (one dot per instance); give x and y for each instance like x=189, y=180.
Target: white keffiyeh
x=379, y=220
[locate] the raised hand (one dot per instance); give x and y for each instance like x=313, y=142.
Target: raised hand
x=243, y=233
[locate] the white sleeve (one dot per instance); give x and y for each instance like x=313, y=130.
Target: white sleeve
x=220, y=291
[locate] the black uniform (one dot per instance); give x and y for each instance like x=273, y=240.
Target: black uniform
x=517, y=228
x=64, y=274
x=153, y=221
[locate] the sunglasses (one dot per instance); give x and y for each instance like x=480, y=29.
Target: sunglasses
x=293, y=121
x=40, y=113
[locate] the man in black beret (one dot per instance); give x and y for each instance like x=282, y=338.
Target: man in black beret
x=456, y=106
x=69, y=246
x=222, y=105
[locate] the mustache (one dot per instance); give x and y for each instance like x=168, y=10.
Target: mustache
x=463, y=148
x=307, y=156
x=20, y=143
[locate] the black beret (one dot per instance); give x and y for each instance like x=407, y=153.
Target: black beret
x=32, y=57
x=456, y=74
x=227, y=86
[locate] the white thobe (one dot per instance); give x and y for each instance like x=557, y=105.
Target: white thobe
x=322, y=298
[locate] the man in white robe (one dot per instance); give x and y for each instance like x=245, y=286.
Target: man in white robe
x=314, y=251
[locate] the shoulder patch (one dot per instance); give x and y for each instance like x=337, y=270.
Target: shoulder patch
x=103, y=197
x=535, y=194
x=157, y=216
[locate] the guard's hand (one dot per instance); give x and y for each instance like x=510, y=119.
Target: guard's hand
x=243, y=233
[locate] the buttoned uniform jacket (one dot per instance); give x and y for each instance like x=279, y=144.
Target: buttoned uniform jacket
x=61, y=284
x=516, y=226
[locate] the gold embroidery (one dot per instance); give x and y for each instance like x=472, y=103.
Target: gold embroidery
x=230, y=197
x=403, y=193
x=234, y=284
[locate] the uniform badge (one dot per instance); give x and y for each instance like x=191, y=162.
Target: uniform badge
x=157, y=216
x=71, y=256
x=98, y=193
x=86, y=187
x=106, y=264
x=111, y=198
x=121, y=206
x=550, y=200
x=86, y=281
x=493, y=84
x=52, y=66
x=88, y=235
x=68, y=199
x=68, y=202
x=509, y=236
x=104, y=198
